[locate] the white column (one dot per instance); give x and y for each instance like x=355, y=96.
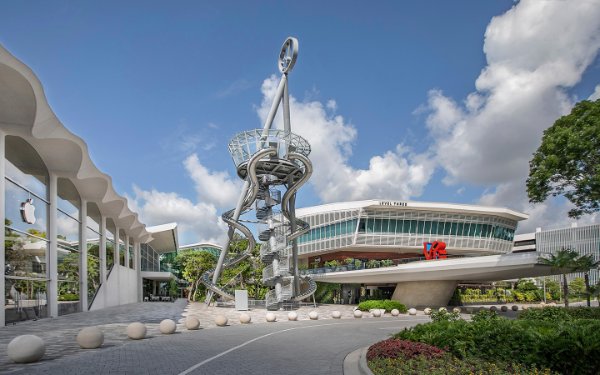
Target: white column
x=52, y=263
x=127, y=250
x=116, y=250
x=102, y=253
x=116, y=271
x=102, y=250
x=138, y=269
x=2, y=215
x=83, y=254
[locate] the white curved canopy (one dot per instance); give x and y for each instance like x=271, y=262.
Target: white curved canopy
x=25, y=112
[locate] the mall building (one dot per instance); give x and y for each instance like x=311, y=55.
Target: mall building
x=378, y=245
x=70, y=242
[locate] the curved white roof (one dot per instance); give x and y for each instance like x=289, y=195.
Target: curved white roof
x=25, y=112
x=411, y=205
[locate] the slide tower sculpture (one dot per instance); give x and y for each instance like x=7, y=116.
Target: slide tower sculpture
x=270, y=161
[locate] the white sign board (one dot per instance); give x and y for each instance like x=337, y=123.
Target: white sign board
x=241, y=300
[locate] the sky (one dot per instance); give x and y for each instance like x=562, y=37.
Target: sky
x=424, y=100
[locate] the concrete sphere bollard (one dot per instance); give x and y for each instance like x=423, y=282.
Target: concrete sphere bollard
x=167, y=327
x=136, y=331
x=192, y=323
x=336, y=314
x=90, y=338
x=270, y=317
x=357, y=314
x=292, y=316
x=493, y=308
x=412, y=311
x=395, y=312
x=221, y=320
x=245, y=318
x=376, y=313
x=313, y=315
x=515, y=308
x=456, y=310
x=427, y=311
x=26, y=349
x=504, y=308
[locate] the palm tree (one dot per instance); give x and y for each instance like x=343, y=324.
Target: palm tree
x=584, y=264
x=564, y=260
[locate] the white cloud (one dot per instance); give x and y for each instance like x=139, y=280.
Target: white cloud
x=534, y=52
x=197, y=222
x=550, y=214
x=596, y=94
x=396, y=174
x=216, y=187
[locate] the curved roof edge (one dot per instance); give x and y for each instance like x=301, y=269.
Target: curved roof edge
x=200, y=244
x=402, y=205
x=28, y=115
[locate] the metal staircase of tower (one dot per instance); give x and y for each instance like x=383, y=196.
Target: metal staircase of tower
x=270, y=161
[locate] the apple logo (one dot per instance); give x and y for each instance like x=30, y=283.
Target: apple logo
x=28, y=211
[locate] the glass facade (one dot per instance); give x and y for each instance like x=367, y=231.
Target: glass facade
x=213, y=249
x=406, y=229
x=585, y=240
x=150, y=258
x=27, y=248
x=26, y=245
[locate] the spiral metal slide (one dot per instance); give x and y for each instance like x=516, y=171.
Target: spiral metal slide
x=236, y=225
x=269, y=159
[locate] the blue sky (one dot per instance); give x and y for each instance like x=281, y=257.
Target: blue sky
x=409, y=95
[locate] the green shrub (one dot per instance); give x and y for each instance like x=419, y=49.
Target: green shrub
x=547, y=314
x=386, y=304
x=558, y=314
x=443, y=315
x=567, y=346
x=68, y=297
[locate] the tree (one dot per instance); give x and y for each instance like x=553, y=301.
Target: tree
x=568, y=160
x=564, y=260
x=194, y=264
x=577, y=286
x=584, y=264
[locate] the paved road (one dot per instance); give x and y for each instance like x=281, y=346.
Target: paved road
x=303, y=347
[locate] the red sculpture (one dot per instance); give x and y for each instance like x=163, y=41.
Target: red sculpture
x=435, y=250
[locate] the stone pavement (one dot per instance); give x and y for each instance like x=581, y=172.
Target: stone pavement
x=59, y=333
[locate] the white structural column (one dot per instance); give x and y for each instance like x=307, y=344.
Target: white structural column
x=2, y=214
x=116, y=249
x=116, y=265
x=102, y=250
x=52, y=262
x=126, y=251
x=137, y=248
x=83, y=255
x=102, y=253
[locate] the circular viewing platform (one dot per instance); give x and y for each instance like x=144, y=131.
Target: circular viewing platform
x=245, y=144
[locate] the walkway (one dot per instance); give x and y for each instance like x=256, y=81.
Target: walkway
x=303, y=347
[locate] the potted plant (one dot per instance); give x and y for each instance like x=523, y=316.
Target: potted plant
x=358, y=264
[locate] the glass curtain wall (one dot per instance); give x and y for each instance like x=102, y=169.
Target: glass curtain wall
x=93, y=237
x=120, y=239
x=130, y=249
x=68, y=255
x=110, y=245
x=26, y=243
